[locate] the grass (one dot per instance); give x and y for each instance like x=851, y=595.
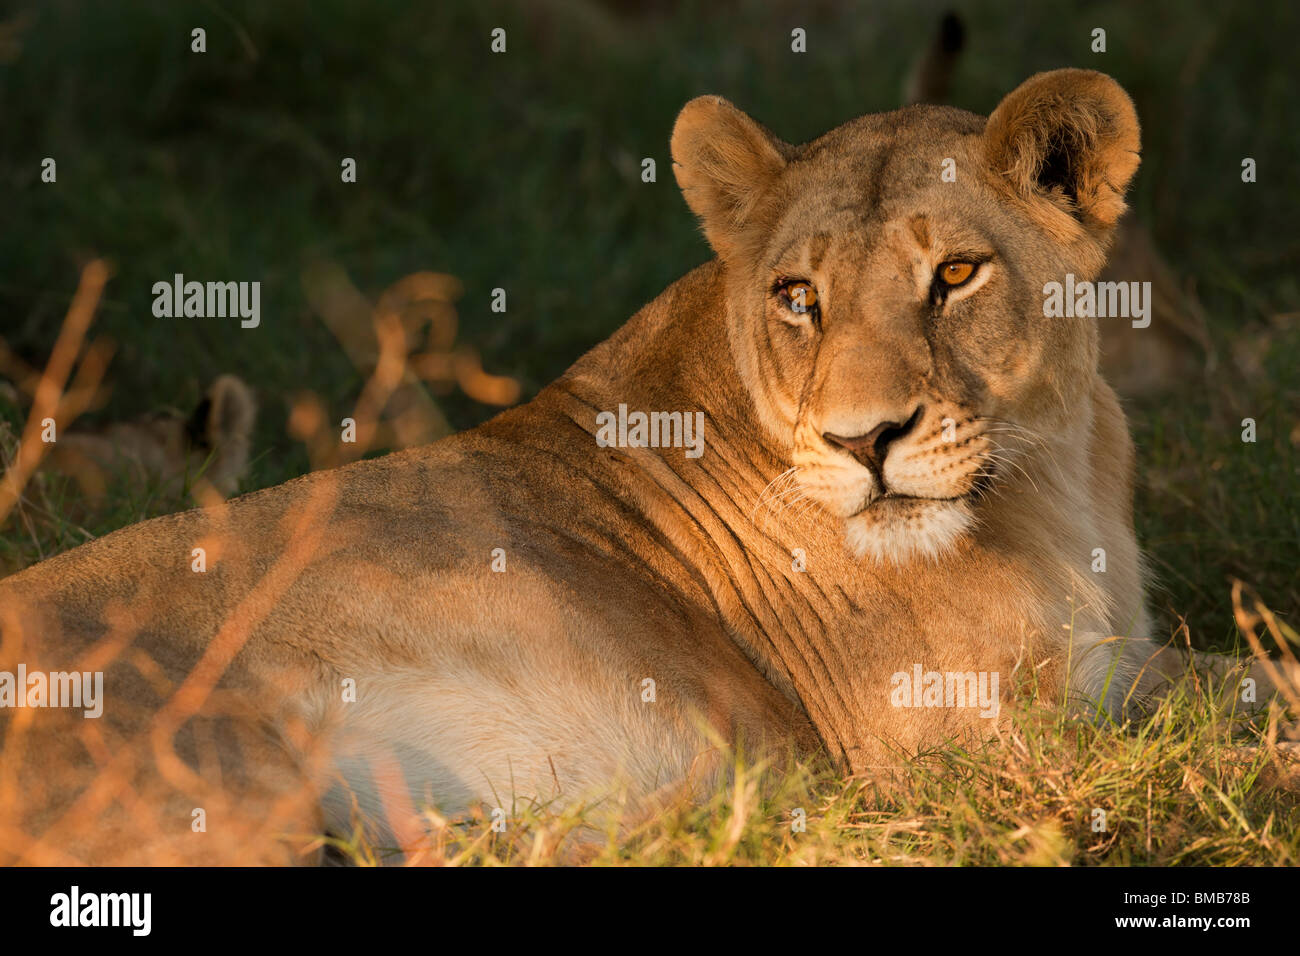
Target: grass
x=1181, y=788
x=522, y=172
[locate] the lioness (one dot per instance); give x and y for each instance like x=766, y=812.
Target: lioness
x=904, y=468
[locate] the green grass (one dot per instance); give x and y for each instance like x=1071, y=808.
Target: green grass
x=1181, y=788
x=522, y=171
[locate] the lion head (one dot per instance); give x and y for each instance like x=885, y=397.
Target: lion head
x=885, y=292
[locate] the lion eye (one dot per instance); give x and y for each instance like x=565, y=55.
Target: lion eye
x=799, y=296
x=953, y=274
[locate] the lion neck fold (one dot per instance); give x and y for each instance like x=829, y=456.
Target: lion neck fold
x=769, y=563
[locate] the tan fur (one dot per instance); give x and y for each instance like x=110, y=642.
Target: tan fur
x=166, y=449
x=1137, y=361
x=632, y=564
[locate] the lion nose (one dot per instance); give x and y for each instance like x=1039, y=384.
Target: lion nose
x=870, y=449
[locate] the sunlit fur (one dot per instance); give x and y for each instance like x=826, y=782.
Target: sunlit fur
x=866, y=216
x=652, y=609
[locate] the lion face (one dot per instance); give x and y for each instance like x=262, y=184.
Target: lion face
x=885, y=293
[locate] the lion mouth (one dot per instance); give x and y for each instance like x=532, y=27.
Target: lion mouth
x=890, y=502
x=897, y=528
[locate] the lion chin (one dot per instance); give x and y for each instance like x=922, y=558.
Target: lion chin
x=896, y=530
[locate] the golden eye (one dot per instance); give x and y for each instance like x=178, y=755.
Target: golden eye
x=956, y=273
x=800, y=296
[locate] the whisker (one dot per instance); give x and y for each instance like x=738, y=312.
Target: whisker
x=784, y=477
x=1027, y=435
x=1011, y=463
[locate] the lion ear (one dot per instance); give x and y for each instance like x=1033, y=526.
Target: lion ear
x=724, y=163
x=1070, y=136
